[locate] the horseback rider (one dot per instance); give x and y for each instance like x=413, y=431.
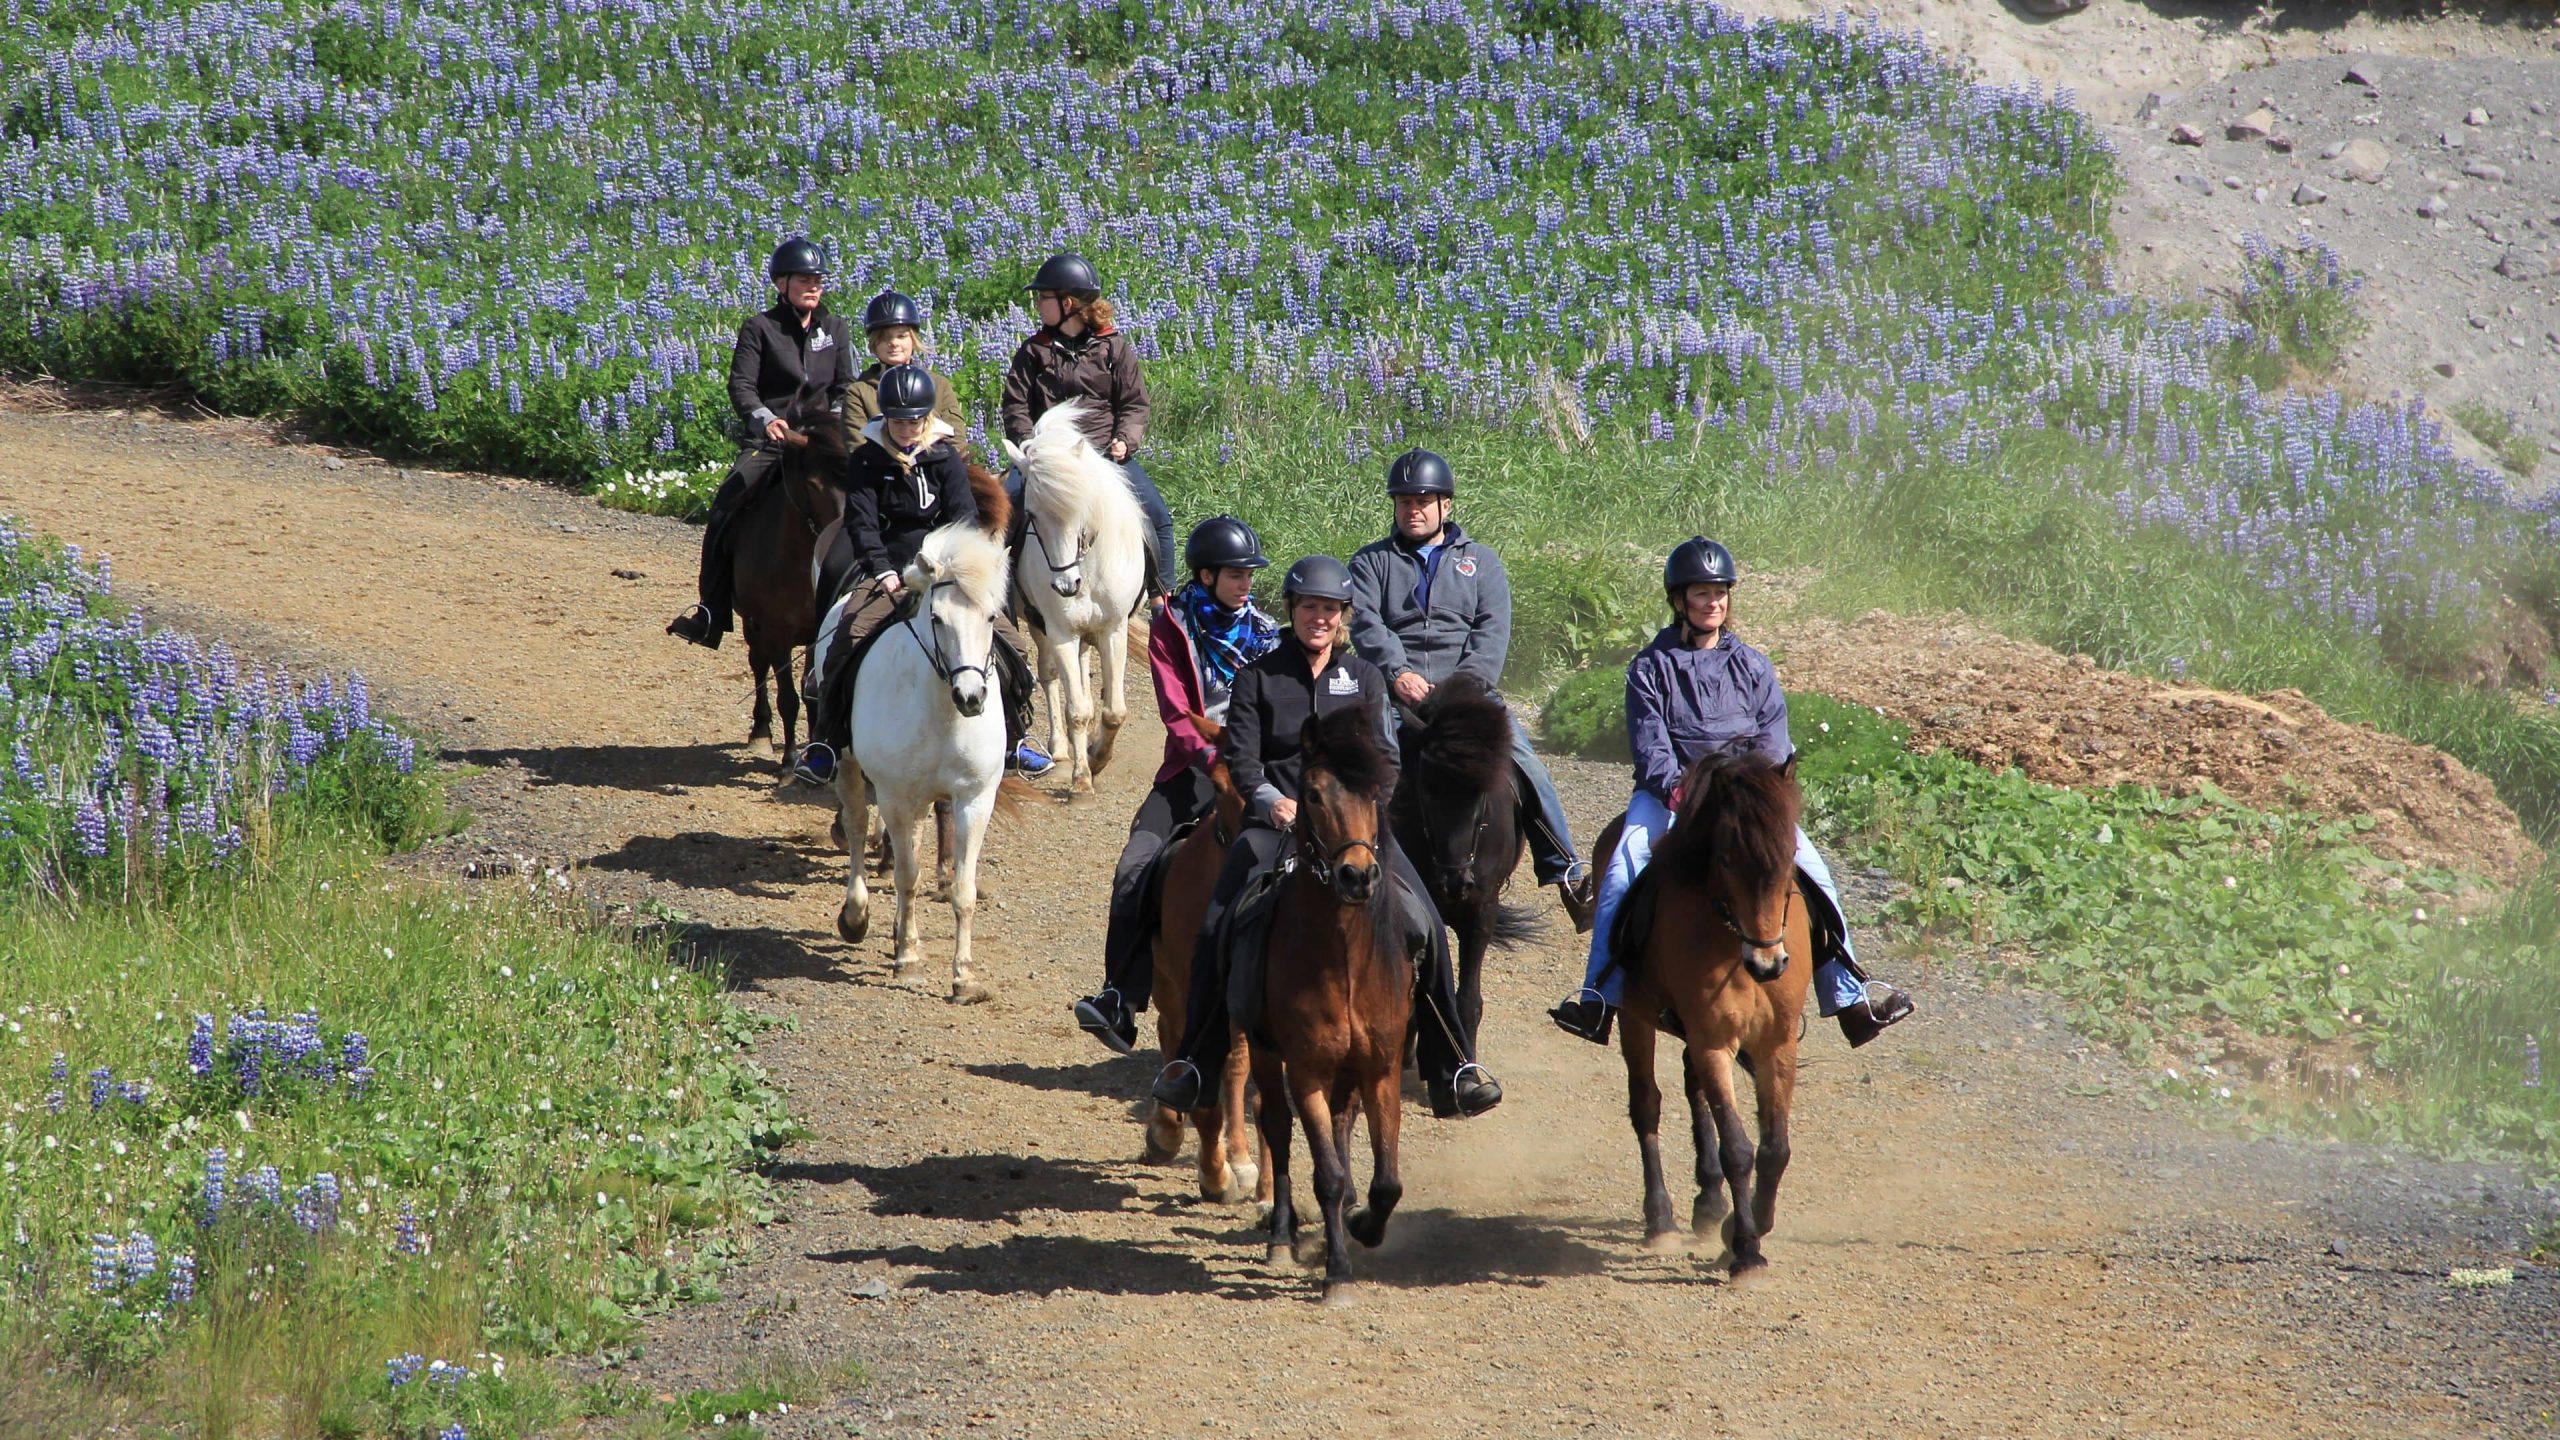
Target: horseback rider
x=1433, y=601
x=903, y=482
x=1079, y=354
x=893, y=325
x=791, y=362
x=1310, y=671
x=1697, y=687
x=1198, y=639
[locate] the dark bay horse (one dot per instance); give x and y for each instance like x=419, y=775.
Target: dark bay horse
x=1337, y=995
x=1709, y=933
x=1457, y=813
x=1227, y=1168
x=771, y=548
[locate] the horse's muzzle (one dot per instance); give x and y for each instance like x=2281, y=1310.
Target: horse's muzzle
x=1764, y=965
x=1068, y=584
x=969, y=698
x=1355, y=883
x=1458, y=883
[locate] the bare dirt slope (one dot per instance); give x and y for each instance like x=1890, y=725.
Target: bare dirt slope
x=1987, y=1229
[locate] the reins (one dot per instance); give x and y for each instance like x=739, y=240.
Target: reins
x=941, y=663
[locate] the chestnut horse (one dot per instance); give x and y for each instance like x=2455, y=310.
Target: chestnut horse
x=772, y=546
x=1707, y=934
x=1227, y=1171
x=1457, y=814
x=1337, y=994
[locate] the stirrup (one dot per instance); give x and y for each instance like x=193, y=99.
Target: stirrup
x=1177, y=1086
x=695, y=625
x=817, y=767
x=1585, y=1015
x=1106, y=1018
x=1029, y=761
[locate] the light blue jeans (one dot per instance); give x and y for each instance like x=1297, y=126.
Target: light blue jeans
x=1835, y=986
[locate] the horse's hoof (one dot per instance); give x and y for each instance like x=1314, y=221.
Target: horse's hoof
x=1282, y=1257
x=1161, y=1151
x=1367, y=1227
x=852, y=926
x=835, y=831
x=1341, y=1296
x=1664, y=1242
x=970, y=992
x=1749, y=1273
x=1243, y=1179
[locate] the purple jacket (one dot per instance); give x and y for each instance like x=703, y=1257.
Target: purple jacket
x=1682, y=703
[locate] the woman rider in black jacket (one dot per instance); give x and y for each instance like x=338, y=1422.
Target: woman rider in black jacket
x=1312, y=672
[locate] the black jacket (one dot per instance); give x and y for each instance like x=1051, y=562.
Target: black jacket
x=891, y=508
x=781, y=370
x=1268, y=710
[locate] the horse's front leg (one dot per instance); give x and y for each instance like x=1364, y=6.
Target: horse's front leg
x=1274, y=1119
x=1475, y=933
x=1714, y=1080
x=1333, y=1183
x=786, y=698
x=1115, y=694
x=1774, y=1081
x=1383, y=1098
x=1709, y=1207
x=1235, y=1140
x=969, y=821
x=904, y=822
x=853, y=816
x=1058, y=688
x=1644, y=1112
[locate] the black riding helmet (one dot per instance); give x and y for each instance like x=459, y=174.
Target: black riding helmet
x=1068, y=272
x=1221, y=541
x=1698, y=561
x=798, y=255
x=906, y=392
x=1317, y=577
x=891, y=308
x=1419, y=472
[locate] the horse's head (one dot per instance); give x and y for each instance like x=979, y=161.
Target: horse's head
x=1342, y=810
x=959, y=573
x=1735, y=836
x=1460, y=786
x=1082, y=514
x=819, y=448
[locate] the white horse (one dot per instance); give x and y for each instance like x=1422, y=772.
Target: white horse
x=1083, y=568
x=927, y=726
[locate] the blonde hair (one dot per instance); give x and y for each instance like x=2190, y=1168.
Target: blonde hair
x=892, y=332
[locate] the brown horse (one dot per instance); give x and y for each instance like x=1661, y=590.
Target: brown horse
x=1190, y=874
x=1337, y=994
x=771, y=547
x=1707, y=933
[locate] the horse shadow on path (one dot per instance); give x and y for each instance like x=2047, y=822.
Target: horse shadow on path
x=644, y=769
x=755, y=866
x=1123, y=1077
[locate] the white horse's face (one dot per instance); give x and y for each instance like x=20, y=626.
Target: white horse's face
x=963, y=637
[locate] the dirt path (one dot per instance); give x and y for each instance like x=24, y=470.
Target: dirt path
x=1988, y=1230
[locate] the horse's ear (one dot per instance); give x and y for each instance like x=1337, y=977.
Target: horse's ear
x=1787, y=771
x=1311, y=740
x=924, y=570
x=1210, y=730
x=1012, y=453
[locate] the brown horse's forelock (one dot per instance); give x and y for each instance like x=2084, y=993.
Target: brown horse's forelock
x=1351, y=752
x=829, y=446
x=1467, y=733
x=1738, y=812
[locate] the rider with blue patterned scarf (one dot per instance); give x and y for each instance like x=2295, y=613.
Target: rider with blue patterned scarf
x=1197, y=639
x=1698, y=688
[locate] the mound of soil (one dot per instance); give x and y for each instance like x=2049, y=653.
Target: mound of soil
x=2063, y=721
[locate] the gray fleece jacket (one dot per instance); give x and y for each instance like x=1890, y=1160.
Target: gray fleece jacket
x=1465, y=626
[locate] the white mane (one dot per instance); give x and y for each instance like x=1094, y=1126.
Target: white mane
x=963, y=555
x=1071, y=488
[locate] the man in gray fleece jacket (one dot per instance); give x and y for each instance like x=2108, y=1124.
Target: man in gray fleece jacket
x=1429, y=602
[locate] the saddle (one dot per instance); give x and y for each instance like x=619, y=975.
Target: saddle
x=1633, y=925
x=1244, y=938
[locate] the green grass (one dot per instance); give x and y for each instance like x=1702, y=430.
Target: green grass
x=571, y=1120
x=2175, y=928
x=2520, y=453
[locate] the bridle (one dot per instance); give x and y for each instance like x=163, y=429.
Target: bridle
x=1311, y=853
x=1075, y=558
x=1724, y=912
x=933, y=651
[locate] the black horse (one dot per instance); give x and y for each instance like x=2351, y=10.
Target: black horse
x=1457, y=813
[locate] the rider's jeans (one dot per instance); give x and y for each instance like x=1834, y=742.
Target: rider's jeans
x=1835, y=985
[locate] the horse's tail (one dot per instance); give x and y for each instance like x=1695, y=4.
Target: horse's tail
x=1518, y=925
x=1015, y=795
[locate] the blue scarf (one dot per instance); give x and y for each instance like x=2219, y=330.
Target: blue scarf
x=1229, y=639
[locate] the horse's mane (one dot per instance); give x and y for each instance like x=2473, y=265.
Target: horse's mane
x=830, y=444
x=995, y=508
x=1068, y=484
x=1345, y=745
x=1466, y=732
x=963, y=555
x=1738, y=810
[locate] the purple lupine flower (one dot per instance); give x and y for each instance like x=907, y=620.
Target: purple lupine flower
x=2532, y=1063
x=141, y=1258
x=453, y=1431
x=267, y=1183
x=200, y=1048
x=105, y=1259
x=353, y=1054
x=217, y=1167
x=61, y=1068
x=404, y=1236
x=399, y=1370
x=182, y=1278
x=101, y=1084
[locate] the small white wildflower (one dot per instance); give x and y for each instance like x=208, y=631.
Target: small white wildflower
x=507, y=972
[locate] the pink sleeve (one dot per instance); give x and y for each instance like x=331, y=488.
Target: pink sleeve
x=1177, y=694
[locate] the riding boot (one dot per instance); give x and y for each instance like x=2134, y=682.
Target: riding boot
x=717, y=576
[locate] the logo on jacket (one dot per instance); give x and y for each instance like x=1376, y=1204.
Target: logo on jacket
x=822, y=341
x=1465, y=564
x=1343, y=683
